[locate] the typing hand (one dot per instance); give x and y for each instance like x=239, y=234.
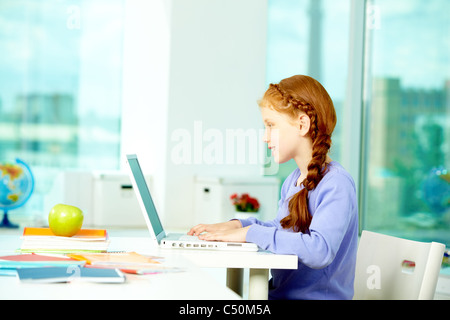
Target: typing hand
x=223, y=226
x=231, y=235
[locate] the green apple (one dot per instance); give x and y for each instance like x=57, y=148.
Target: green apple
x=65, y=220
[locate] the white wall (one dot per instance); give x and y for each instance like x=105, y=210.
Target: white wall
x=182, y=97
x=145, y=87
x=217, y=73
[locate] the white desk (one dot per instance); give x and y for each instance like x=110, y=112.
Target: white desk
x=191, y=284
x=258, y=263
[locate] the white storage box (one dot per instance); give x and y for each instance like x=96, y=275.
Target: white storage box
x=212, y=202
x=106, y=198
x=115, y=203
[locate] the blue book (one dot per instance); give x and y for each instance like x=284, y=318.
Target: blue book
x=69, y=274
x=33, y=264
x=9, y=268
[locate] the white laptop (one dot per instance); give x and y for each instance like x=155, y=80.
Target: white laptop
x=155, y=227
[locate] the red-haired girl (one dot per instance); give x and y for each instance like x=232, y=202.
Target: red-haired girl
x=317, y=218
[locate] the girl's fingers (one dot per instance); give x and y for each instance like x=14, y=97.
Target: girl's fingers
x=197, y=230
x=210, y=236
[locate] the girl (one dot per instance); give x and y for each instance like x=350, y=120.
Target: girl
x=317, y=218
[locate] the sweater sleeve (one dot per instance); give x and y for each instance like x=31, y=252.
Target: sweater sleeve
x=331, y=204
x=254, y=221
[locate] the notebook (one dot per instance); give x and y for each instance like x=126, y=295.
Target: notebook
x=172, y=241
x=70, y=274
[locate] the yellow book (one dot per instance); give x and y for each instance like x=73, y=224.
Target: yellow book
x=82, y=234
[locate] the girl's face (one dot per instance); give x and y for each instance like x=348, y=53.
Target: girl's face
x=283, y=135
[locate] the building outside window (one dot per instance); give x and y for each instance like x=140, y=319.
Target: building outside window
x=406, y=162
x=60, y=89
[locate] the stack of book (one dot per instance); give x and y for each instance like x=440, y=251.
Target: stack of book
x=43, y=240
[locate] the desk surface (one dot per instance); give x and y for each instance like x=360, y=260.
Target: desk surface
x=209, y=258
x=193, y=283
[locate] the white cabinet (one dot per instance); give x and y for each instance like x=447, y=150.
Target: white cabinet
x=212, y=197
x=106, y=198
x=114, y=201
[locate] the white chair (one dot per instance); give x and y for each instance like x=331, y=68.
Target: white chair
x=390, y=268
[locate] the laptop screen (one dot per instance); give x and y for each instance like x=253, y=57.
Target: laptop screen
x=145, y=194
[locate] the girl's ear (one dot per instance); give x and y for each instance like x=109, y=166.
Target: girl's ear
x=304, y=123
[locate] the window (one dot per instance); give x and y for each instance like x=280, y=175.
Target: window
x=310, y=37
x=402, y=175
x=407, y=121
x=60, y=88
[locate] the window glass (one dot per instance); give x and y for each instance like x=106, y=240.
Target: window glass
x=310, y=37
x=407, y=103
x=60, y=88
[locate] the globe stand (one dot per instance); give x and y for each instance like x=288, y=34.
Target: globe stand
x=6, y=223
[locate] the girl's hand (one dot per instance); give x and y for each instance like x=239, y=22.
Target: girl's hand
x=200, y=228
x=230, y=235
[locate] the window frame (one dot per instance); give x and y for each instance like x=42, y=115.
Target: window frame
x=354, y=120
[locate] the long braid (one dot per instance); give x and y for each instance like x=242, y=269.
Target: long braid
x=299, y=218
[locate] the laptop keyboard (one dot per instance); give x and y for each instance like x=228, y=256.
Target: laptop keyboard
x=190, y=238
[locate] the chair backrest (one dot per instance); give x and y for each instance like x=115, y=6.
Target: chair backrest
x=391, y=268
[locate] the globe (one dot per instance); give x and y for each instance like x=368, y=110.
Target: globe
x=16, y=187
x=436, y=190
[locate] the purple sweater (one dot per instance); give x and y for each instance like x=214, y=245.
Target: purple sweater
x=327, y=255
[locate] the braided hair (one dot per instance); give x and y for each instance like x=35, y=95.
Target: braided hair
x=293, y=96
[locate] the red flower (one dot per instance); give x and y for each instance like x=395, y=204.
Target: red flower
x=244, y=203
x=254, y=202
